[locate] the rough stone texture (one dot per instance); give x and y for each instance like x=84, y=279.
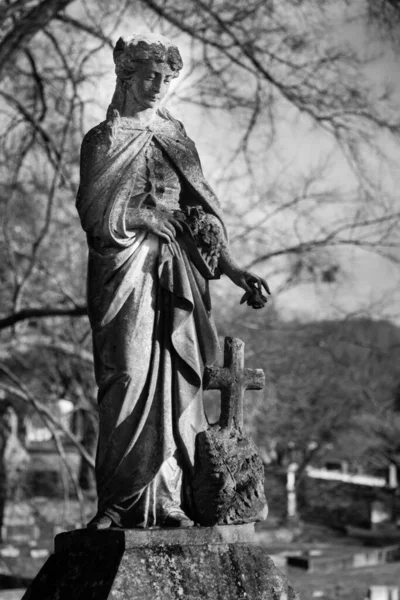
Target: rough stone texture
x=233, y=380
x=228, y=485
x=170, y=572
x=86, y=539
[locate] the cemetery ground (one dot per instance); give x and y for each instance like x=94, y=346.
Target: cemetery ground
x=341, y=584
x=352, y=584
x=52, y=516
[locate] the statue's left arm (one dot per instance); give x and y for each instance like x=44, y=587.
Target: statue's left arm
x=189, y=163
x=250, y=282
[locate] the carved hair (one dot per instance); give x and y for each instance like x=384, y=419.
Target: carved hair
x=140, y=48
x=129, y=52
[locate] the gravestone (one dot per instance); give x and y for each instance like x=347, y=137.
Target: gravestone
x=392, y=476
x=19, y=525
x=381, y=514
x=338, y=558
x=14, y=461
x=228, y=484
x=383, y=592
x=292, y=514
x=216, y=563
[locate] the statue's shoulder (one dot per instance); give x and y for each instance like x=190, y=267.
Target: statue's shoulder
x=163, y=113
x=98, y=135
x=96, y=143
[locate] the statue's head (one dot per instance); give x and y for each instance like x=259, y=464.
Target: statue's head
x=145, y=64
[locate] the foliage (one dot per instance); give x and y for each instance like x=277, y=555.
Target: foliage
x=331, y=387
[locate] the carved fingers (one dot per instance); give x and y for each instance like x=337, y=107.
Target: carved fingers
x=166, y=227
x=175, y=224
x=259, y=282
x=254, y=288
x=167, y=234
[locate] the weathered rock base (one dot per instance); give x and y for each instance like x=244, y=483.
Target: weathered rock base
x=144, y=565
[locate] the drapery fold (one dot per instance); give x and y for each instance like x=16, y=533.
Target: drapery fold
x=152, y=330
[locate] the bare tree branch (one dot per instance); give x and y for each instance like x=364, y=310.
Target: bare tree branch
x=48, y=143
x=96, y=33
x=332, y=239
x=40, y=313
x=22, y=392
x=32, y=22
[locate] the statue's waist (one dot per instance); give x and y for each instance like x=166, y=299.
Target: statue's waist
x=167, y=199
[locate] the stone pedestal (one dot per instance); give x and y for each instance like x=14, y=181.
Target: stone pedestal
x=213, y=563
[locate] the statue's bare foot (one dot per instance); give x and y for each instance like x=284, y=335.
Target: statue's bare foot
x=100, y=522
x=177, y=518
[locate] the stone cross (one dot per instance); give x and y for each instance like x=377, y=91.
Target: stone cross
x=233, y=380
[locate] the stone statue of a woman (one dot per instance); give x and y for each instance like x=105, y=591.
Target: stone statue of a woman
x=156, y=235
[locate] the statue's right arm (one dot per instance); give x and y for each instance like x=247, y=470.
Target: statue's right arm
x=92, y=159
x=155, y=221
x=94, y=148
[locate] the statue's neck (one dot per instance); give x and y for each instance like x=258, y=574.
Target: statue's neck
x=126, y=104
x=142, y=117
x=133, y=110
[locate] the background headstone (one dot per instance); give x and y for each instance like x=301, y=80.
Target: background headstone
x=383, y=592
x=380, y=514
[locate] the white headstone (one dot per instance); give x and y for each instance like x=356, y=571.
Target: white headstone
x=291, y=490
x=392, y=476
x=383, y=592
x=379, y=513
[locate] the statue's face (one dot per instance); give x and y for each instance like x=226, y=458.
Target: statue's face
x=149, y=83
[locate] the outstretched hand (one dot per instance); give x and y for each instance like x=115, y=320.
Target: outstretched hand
x=253, y=285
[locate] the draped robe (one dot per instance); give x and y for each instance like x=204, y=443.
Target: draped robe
x=152, y=329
